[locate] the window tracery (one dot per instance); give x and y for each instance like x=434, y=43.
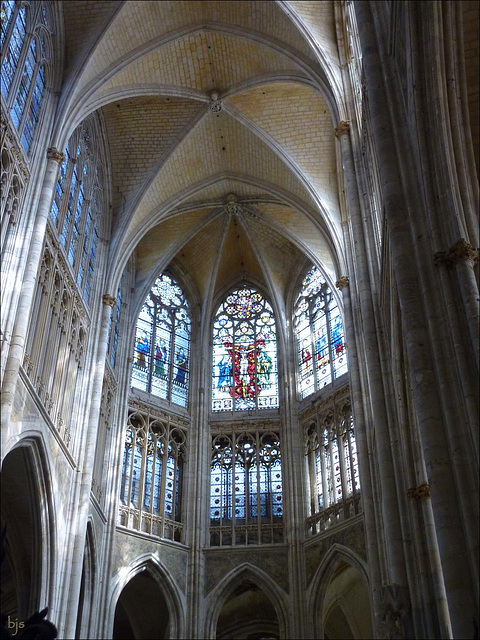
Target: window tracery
x=161, y=356
x=319, y=332
x=332, y=463
x=246, y=499
x=152, y=468
x=26, y=54
x=78, y=203
x=244, y=353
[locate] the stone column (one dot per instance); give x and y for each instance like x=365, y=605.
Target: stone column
x=452, y=541
x=20, y=328
x=374, y=383
x=87, y=470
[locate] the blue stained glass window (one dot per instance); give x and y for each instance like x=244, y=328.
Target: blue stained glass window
x=127, y=466
x=246, y=479
x=34, y=110
x=12, y=56
x=244, y=375
x=162, y=343
x=319, y=331
x=7, y=9
x=60, y=188
x=25, y=82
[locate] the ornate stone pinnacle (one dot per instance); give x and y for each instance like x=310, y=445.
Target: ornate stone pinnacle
x=109, y=300
x=461, y=250
x=54, y=154
x=342, y=129
x=419, y=493
x=342, y=282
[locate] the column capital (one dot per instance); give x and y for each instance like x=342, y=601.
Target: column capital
x=109, y=300
x=54, y=154
x=342, y=129
x=342, y=282
x=419, y=493
x=461, y=250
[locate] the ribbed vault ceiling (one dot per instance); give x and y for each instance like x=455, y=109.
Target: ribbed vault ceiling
x=205, y=99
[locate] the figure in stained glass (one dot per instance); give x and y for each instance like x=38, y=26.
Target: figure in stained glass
x=142, y=350
x=244, y=353
x=182, y=363
x=160, y=358
x=317, y=322
x=225, y=373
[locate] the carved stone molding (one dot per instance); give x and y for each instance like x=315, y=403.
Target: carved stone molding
x=232, y=206
x=461, y=250
x=342, y=129
x=342, y=282
x=54, y=154
x=419, y=493
x=395, y=612
x=109, y=300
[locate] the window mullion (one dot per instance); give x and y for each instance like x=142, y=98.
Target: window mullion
x=152, y=347
x=29, y=99
x=13, y=91
x=62, y=212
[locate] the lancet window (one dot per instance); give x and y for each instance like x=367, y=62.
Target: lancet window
x=244, y=353
x=26, y=53
x=152, y=467
x=161, y=357
x=332, y=463
x=246, y=500
x=319, y=332
x=78, y=203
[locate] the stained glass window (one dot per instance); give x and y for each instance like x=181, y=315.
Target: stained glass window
x=113, y=328
x=152, y=474
x=161, y=357
x=23, y=85
x=332, y=458
x=245, y=488
x=319, y=331
x=78, y=204
x=244, y=353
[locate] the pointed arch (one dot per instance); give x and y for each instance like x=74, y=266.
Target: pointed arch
x=227, y=585
x=170, y=590
x=27, y=484
x=337, y=555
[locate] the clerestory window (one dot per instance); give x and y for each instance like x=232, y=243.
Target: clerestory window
x=319, y=332
x=161, y=356
x=26, y=54
x=244, y=353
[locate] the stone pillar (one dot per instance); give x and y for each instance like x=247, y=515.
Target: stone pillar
x=452, y=541
x=86, y=470
x=20, y=328
x=374, y=383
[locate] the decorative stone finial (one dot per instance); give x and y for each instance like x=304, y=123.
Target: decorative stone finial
x=342, y=282
x=461, y=250
x=419, y=493
x=342, y=129
x=232, y=206
x=109, y=300
x=215, y=103
x=54, y=154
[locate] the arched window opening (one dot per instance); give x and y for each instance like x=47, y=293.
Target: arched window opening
x=246, y=500
x=244, y=353
x=151, y=487
x=26, y=46
x=78, y=204
x=161, y=354
x=319, y=331
x=332, y=463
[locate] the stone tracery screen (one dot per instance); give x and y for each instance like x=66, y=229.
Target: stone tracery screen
x=161, y=358
x=319, y=331
x=152, y=466
x=244, y=353
x=246, y=499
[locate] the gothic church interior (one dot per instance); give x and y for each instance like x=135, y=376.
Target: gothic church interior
x=239, y=329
